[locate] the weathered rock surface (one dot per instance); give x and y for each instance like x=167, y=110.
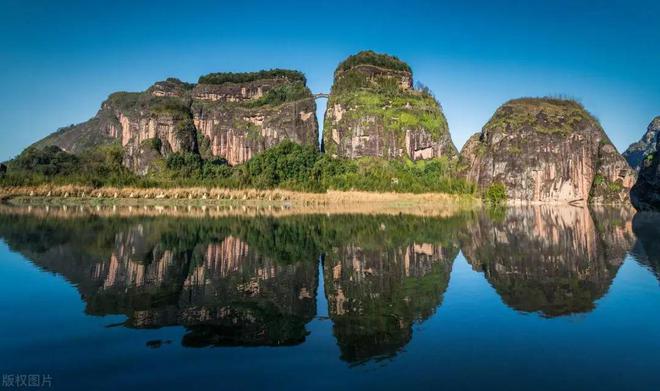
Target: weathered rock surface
x=637, y=152
x=547, y=150
x=373, y=110
x=645, y=195
x=232, y=116
x=237, y=133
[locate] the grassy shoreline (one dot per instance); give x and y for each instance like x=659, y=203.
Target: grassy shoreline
x=220, y=201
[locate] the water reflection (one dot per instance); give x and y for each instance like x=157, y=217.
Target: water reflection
x=254, y=281
x=378, y=286
x=555, y=261
x=646, y=226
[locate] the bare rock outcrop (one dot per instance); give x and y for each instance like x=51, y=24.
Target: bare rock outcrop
x=644, y=148
x=548, y=151
x=373, y=110
x=645, y=195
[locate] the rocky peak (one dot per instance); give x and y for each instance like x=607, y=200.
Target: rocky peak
x=170, y=87
x=373, y=110
x=240, y=87
x=645, y=195
x=637, y=152
x=547, y=150
x=372, y=70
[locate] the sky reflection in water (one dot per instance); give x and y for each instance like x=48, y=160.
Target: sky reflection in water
x=533, y=297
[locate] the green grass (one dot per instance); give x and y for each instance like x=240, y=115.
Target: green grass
x=397, y=113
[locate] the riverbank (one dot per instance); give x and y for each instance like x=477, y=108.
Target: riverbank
x=218, y=201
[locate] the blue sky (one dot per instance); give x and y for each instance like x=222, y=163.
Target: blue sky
x=59, y=60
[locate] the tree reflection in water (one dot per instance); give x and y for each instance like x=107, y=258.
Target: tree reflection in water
x=254, y=281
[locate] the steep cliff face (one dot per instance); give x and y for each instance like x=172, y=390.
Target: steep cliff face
x=237, y=121
x=637, y=152
x=645, y=195
x=153, y=123
x=373, y=110
x=229, y=115
x=547, y=150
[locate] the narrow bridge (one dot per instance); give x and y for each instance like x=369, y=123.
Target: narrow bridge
x=321, y=95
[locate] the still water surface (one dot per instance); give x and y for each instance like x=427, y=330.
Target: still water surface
x=531, y=298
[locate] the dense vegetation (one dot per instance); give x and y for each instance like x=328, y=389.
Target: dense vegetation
x=172, y=83
x=95, y=167
x=287, y=165
x=246, y=77
x=370, y=57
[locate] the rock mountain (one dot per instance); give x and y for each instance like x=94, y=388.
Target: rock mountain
x=645, y=195
x=540, y=149
x=229, y=115
x=637, y=152
x=373, y=110
x=547, y=150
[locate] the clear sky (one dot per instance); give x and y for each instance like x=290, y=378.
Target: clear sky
x=60, y=59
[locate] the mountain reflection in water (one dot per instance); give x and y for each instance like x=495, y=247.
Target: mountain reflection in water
x=555, y=261
x=255, y=281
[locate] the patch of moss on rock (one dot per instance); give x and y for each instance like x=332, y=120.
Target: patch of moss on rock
x=544, y=115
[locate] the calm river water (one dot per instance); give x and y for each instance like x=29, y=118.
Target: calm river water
x=523, y=299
